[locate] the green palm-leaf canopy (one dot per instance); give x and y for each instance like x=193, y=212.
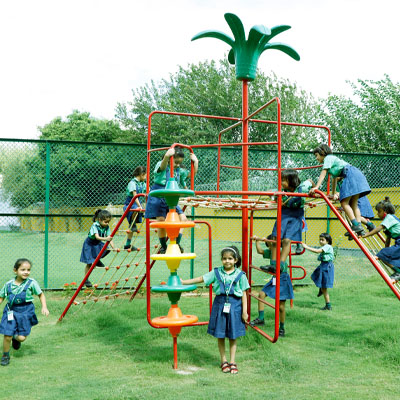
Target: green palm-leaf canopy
x=245, y=53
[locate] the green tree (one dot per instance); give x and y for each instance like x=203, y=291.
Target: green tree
x=211, y=88
x=367, y=122
x=81, y=126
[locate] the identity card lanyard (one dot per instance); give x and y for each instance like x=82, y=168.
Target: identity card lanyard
x=10, y=313
x=227, y=305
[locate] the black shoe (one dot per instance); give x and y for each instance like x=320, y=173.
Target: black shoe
x=130, y=246
x=326, y=308
x=88, y=284
x=162, y=250
x=281, y=332
x=299, y=248
x=257, y=321
x=100, y=264
x=319, y=293
x=395, y=276
x=358, y=229
x=15, y=344
x=5, y=360
x=268, y=268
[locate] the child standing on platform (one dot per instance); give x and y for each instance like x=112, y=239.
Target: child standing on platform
x=19, y=312
x=324, y=274
x=353, y=184
x=389, y=255
x=285, y=290
x=99, y=232
x=136, y=186
x=229, y=309
x=157, y=207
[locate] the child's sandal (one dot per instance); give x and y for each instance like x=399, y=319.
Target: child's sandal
x=225, y=367
x=234, y=369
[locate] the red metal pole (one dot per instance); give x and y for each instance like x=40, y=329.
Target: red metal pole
x=245, y=173
x=175, y=345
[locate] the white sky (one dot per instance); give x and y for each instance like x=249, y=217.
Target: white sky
x=60, y=55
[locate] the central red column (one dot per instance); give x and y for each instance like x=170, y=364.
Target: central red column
x=245, y=172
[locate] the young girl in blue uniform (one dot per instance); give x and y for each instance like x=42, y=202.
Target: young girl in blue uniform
x=99, y=232
x=285, y=287
x=324, y=274
x=136, y=186
x=292, y=215
x=390, y=255
x=157, y=207
x=353, y=184
x=19, y=312
x=229, y=309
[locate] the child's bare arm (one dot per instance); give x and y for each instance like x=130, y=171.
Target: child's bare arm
x=164, y=163
x=195, y=162
x=1, y=299
x=191, y=281
x=244, y=307
x=42, y=299
x=374, y=231
x=306, y=246
x=320, y=180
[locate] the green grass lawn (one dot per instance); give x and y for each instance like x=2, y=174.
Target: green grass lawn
x=112, y=353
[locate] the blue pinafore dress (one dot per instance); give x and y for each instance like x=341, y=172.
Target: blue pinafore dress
x=91, y=249
x=323, y=276
x=139, y=217
x=24, y=316
x=285, y=289
x=156, y=206
x=226, y=325
x=292, y=219
x=391, y=255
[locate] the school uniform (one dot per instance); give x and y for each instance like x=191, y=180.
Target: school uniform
x=157, y=206
x=391, y=255
x=366, y=210
x=91, y=246
x=229, y=289
x=324, y=274
x=139, y=187
x=20, y=304
x=285, y=285
x=293, y=214
x=353, y=180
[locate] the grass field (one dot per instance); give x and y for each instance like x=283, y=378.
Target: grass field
x=112, y=353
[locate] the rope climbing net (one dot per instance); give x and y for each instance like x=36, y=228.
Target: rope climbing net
x=237, y=203
x=122, y=274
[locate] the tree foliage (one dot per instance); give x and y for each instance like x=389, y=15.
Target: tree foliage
x=211, y=88
x=368, y=122
x=81, y=126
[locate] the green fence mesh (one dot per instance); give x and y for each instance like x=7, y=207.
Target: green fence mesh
x=50, y=190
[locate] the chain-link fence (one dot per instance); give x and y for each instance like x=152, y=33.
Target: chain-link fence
x=50, y=191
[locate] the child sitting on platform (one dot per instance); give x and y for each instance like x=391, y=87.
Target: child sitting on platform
x=389, y=255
